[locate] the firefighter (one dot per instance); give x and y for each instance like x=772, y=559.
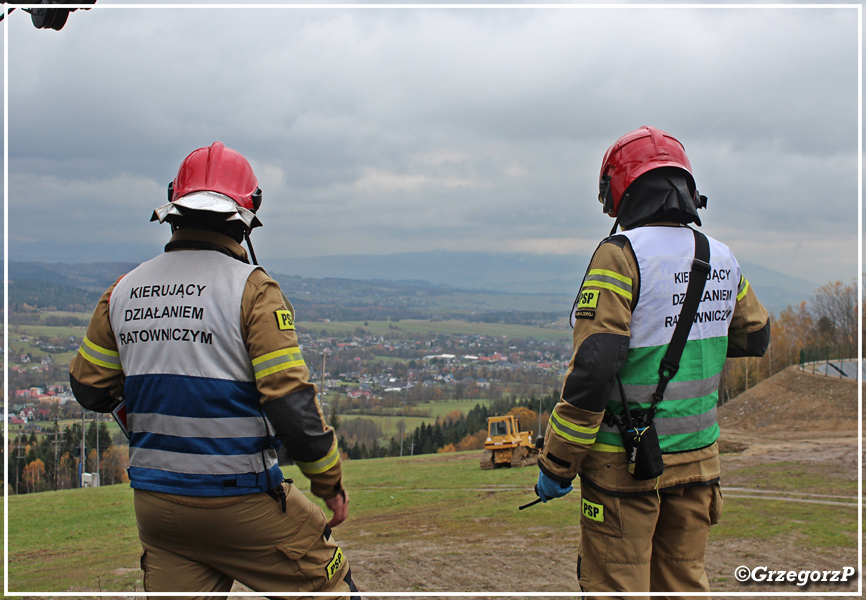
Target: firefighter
x=202, y=347
x=647, y=535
